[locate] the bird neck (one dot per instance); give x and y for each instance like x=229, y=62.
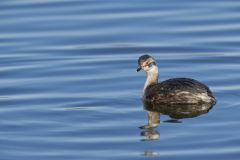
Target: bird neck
x=152, y=78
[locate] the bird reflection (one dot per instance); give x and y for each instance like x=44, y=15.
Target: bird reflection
x=153, y=120
x=149, y=131
x=150, y=134
x=175, y=112
x=151, y=153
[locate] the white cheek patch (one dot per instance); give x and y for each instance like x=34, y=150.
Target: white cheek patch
x=147, y=65
x=146, y=68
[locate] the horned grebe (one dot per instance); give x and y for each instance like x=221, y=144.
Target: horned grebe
x=172, y=91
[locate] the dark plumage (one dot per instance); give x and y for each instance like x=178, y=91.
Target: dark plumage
x=178, y=90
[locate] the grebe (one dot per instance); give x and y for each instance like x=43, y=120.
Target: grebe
x=172, y=91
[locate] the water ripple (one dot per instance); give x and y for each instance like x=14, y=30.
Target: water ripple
x=69, y=89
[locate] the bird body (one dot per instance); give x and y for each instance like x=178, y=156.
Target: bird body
x=179, y=91
x=172, y=91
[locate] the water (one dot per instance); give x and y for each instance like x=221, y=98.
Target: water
x=69, y=89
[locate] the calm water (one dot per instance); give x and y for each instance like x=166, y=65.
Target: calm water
x=69, y=89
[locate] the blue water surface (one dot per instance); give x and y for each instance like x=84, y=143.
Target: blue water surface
x=69, y=89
